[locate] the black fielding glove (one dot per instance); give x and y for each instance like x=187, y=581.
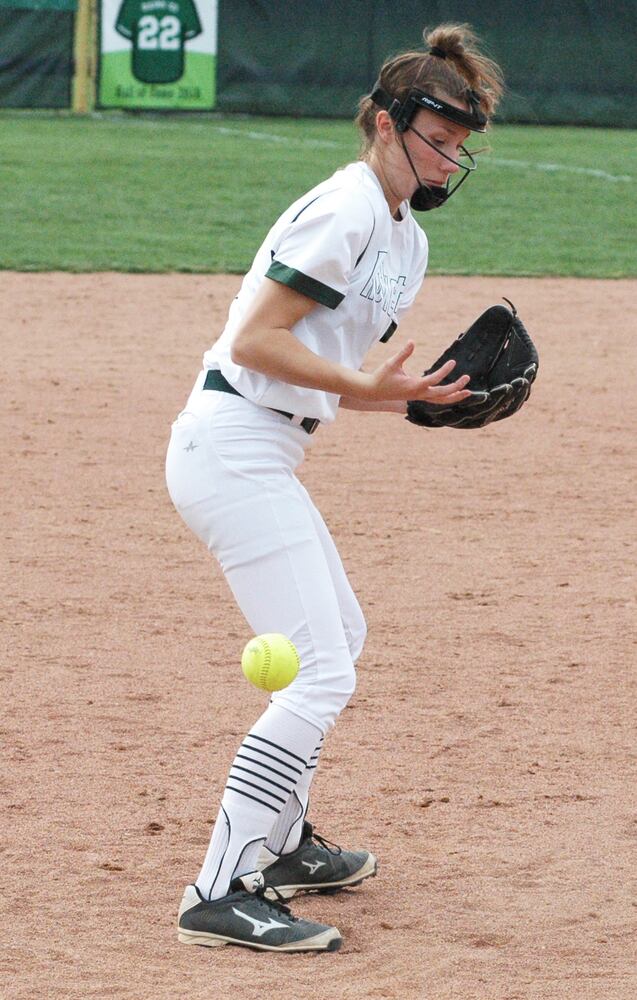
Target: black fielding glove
x=498, y=354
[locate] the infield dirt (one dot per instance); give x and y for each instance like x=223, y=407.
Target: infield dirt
x=488, y=757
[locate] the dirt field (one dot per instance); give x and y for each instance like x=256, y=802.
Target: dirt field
x=488, y=756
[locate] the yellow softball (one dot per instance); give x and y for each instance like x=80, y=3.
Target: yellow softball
x=270, y=661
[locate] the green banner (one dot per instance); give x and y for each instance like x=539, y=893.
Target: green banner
x=157, y=54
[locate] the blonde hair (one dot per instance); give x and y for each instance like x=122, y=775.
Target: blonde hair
x=463, y=68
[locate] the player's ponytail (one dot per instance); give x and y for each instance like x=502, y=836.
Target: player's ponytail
x=451, y=65
x=457, y=45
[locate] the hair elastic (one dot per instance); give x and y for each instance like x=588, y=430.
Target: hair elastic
x=436, y=51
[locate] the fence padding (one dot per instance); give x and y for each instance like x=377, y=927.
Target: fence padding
x=567, y=63
x=36, y=58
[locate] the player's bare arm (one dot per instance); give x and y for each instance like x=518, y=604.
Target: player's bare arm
x=264, y=342
x=373, y=406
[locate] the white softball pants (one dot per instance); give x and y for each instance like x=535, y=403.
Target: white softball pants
x=230, y=474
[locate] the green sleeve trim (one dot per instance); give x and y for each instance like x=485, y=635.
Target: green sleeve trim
x=302, y=283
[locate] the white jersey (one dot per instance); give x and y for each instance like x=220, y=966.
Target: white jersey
x=340, y=246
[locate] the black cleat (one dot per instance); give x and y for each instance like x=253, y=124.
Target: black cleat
x=246, y=917
x=316, y=866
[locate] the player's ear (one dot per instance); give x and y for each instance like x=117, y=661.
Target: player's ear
x=384, y=126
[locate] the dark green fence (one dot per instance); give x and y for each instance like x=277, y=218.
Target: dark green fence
x=571, y=62
x=36, y=53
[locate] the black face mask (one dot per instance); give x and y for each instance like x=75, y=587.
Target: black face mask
x=426, y=196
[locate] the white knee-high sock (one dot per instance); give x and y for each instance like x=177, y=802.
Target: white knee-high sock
x=285, y=835
x=269, y=765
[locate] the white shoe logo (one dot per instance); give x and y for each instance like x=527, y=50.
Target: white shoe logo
x=260, y=926
x=313, y=865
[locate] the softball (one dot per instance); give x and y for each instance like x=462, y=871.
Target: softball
x=270, y=661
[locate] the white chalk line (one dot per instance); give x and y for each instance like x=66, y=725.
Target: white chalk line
x=488, y=161
x=554, y=167
x=271, y=137
x=495, y=161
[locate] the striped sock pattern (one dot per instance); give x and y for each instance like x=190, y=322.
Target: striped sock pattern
x=315, y=756
x=271, y=761
x=285, y=835
x=265, y=772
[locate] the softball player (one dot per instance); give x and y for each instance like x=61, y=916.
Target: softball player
x=334, y=275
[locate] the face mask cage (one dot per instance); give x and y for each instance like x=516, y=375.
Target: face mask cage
x=427, y=196
x=468, y=167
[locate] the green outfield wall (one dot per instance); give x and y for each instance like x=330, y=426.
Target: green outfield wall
x=571, y=62
x=566, y=63
x=36, y=53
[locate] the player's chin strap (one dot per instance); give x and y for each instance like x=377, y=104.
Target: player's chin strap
x=428, y=196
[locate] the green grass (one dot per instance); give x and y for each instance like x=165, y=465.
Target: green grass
x=140, y=193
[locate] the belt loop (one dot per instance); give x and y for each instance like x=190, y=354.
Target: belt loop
x=310, y=424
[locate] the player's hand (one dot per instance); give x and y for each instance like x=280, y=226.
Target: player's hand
x=391, y=381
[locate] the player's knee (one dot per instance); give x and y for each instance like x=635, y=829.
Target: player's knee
x=343, y=687
x=321, y=695
x=357, y=634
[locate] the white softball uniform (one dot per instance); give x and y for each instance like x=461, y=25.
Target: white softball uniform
x=231, y=472
x=231, y=461
x=340, y=246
